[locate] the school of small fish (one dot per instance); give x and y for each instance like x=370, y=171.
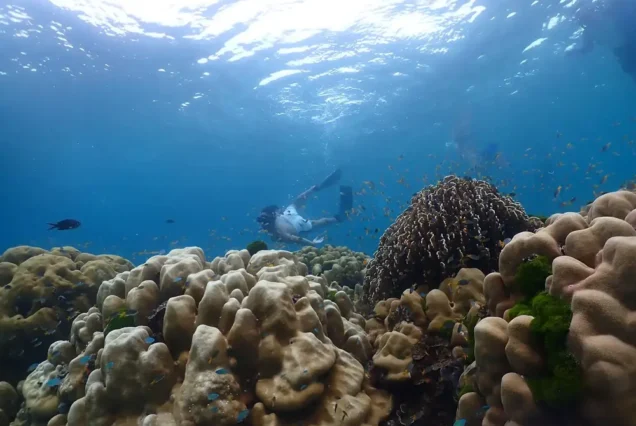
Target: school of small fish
x=559, y=170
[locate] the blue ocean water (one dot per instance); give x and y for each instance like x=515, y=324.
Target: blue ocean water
x=123, y=114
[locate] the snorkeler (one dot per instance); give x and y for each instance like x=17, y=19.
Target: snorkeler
x=287, y=225
x=610, y=23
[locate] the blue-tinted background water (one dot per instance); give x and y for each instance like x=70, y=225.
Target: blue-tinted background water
x=123, y=114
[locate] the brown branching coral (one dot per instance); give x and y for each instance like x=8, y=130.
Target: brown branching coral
x=457, y=223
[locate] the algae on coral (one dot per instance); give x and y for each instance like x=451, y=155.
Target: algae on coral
x=531, y=275
x=562, y=382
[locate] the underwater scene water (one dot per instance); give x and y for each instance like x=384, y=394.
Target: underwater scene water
x=300, y=212
x=124, y=115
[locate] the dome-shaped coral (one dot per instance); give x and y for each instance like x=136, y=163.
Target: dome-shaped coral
x=458, y=222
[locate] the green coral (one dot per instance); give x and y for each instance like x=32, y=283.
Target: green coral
x=256, y=246
x=563, y=386
x=552, y=317
x=562, y=382
x=519, y=309
x=530, y=277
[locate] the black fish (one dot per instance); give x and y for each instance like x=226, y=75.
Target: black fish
x=170, y=221
x=65, y=224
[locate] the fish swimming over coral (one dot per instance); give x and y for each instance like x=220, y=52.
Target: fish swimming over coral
x=65, y=225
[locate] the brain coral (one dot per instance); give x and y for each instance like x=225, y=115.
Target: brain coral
x=42, y=292
x=458, y=222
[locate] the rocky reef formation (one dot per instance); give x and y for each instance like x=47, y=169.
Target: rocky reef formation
x=457, y=223
x=182, y=341
x=560, y=347
x=41, y=292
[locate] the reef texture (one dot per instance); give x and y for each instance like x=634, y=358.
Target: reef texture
x=182, y=341
x=529, y=369
x=342, y=267
x=337, y=264
x=41, y=292
x=420, y=342
x=457, y=223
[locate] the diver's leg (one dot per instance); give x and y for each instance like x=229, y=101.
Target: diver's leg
x=302, y=198
x=329, y=181
x=316, y=223
x=346, y=203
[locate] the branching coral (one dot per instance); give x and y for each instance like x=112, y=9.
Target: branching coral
x=458, y=222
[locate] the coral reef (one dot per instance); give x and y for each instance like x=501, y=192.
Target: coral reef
x=563, y=355
x=420, y=347
x=457, y=223
x=42, y=292
x=336, y=264
x=256, y=339
x=182, y=341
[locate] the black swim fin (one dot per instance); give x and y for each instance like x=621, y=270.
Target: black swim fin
x=346, y=202
x=331, y=180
